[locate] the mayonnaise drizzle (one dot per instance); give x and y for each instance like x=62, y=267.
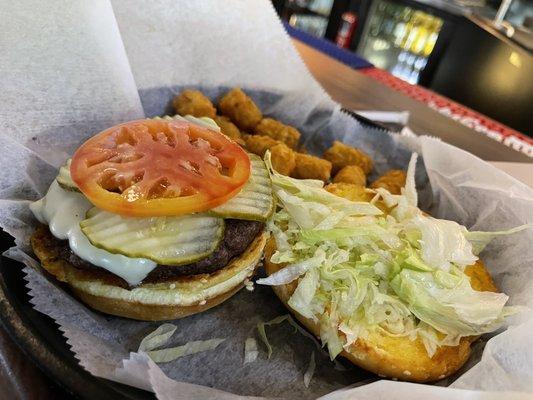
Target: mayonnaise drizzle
x=62, y=211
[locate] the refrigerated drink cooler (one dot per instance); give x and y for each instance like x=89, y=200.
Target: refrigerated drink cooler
x=399, y=39
x=311, y=16
x=320, y=18
x=446, y=48
x=438, y=44
x=400, y=36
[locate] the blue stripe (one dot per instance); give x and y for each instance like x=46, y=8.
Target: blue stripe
x=329, y=48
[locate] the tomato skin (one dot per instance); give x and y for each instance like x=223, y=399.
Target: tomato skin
x=150, y=167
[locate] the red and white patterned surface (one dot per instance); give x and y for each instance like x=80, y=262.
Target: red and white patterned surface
x=456, y=111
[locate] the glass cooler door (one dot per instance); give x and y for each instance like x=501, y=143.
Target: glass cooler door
x=399, y=38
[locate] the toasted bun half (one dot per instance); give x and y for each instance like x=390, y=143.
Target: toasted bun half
x=175, y=298
x=395, y=357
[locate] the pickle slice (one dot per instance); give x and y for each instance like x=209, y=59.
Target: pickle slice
x=204, y=122
x=255, y=201
x=64, y=179
x=165, y=240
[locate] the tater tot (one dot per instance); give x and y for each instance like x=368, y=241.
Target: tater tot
x=311, y=167
x=351, y=174
x=228, y=128
x=342, y=155
x=258, y=144
x=193, y=102
x=283, y=158
x=393, y=181
x=241, y=109
x=350, y=191
x=245, y=136
x=279, y=131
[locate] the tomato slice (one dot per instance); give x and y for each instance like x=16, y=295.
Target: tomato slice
x=151, y=167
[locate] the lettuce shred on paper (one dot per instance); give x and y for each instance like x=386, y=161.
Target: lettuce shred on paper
x=162, y=335
x=361, y=270
x=250, y=350
x=173, y=353
x=278, y=320
x=157, y=338
x=310, y=370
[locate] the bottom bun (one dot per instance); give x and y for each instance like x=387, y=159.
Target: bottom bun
x=149, y=312
x=394, y=357
x=172, y=299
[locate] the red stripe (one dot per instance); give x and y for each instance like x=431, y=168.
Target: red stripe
x=458, y=112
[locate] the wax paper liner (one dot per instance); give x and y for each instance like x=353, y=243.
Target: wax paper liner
x=71, y=70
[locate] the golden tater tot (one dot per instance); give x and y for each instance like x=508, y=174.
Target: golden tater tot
x=349, y=191
x=228, y=128
x=245, y=136
x=341, y=155
x=193, y=102
x=283, y=158
x=241, y=109
x=258, y=144
x=393, y=181
x=279, y=131
x=311, y=167
x=480, y=278
x=351, y=174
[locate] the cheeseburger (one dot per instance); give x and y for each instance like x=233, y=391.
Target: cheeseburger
x=155, y=219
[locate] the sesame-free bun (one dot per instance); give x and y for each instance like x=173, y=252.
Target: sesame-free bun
x=174, y=298
x=394, y=357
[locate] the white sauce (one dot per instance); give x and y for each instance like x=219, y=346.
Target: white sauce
x=62, y=211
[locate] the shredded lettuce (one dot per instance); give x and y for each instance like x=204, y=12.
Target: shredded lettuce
x=157, y=338
x=162, y=335
x=173, y=353
x=304, y=294
x=443, y=243
x=308, y=375
x=360, y=270
x=262, y=333
x=293, y=271
x=278, y=320
x=250, y=350
x=456, y=310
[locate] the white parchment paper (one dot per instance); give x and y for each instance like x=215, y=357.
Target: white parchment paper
x=69, y=69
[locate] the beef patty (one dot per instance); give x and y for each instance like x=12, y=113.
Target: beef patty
x=238, y=234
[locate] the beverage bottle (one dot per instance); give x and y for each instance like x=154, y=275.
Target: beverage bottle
x=433, y=36
x=377, y=19
x=412, y=31
x=390, y=21
x=346, y=30
x=422, y=34
x=401, y=28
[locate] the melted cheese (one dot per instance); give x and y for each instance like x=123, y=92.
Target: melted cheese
x=63, y=211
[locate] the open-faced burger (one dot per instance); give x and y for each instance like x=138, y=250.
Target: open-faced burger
x=155, y=219
x=380, y=282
